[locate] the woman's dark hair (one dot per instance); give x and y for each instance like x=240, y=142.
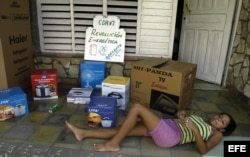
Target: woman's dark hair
x=231, y=126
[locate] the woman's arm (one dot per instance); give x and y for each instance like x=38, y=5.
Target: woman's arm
x=203, y=146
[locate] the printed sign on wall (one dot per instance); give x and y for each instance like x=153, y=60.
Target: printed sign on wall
x=105, y=41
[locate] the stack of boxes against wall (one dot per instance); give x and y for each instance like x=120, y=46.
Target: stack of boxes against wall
x=161, y=84
x=155, y=83
x=102, y=108
x=16, y=58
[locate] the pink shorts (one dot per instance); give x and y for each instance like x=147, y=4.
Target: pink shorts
x=166, y=134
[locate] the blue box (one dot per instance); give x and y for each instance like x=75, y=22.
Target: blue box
x=13, y=103
x=92, y=74
x=102, y=112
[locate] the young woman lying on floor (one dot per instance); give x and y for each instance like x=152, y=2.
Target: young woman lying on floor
x=166, y=133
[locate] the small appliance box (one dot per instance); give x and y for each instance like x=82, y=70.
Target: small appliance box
x=79, y=95
x=163, y=84
x=92, y=74
x=117, y=87
x=44, y=84
x=13, y=103
x=102, y=112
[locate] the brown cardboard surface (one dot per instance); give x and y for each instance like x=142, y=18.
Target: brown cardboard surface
x=153, y=62
x=3, y=81
x=16, y=44
x=168, y=83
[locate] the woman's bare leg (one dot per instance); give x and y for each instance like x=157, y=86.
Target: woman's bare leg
x=104, y=133
x=149, y=119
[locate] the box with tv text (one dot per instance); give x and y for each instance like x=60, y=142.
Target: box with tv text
x=163, y=84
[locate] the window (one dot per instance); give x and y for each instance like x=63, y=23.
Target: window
x=149, y=24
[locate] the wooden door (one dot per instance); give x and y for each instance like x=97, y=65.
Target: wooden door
x=205, y=35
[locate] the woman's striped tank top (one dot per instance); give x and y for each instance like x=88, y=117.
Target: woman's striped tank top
x=187, y=133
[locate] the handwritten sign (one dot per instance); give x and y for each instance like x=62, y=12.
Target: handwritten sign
x=105, y=41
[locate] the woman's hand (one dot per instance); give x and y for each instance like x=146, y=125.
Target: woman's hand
x=186, y=122
x=181, y=114
x=190, y=124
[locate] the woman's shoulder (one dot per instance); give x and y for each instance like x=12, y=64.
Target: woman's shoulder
x=216, y=134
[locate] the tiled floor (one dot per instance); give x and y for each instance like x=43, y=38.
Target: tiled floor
x=41, y=134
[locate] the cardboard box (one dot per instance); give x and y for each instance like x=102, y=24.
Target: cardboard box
x=117, y=87
x=163, y=84
x=79, y=95
x=102, y=112
x=16, y=56
x=92, y=74
x=44, y=84
x=13, y=103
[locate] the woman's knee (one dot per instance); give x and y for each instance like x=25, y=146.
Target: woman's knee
x=137, y=106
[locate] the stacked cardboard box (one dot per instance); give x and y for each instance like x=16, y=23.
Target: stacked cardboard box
x=163, y=84
x=16, y=59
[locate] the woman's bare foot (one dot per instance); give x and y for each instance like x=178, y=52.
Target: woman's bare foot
x=79, y=133
x=106, y=147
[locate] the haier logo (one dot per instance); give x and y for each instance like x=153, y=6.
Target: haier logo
x=17, y=39
x=14, y=4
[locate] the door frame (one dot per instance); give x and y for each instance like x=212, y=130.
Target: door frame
x=232, y=38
